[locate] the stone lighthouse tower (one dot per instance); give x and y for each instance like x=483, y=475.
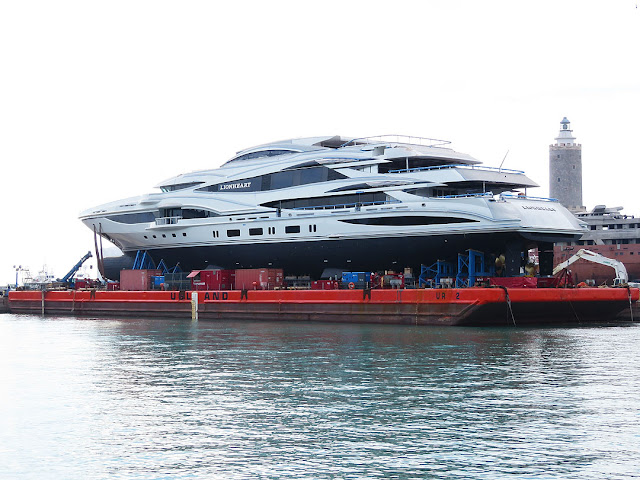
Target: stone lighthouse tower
x=565, y=169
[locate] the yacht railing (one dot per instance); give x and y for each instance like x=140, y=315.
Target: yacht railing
x=404, y=139
x=522, y=196
x=167, y=220
x=467, y=195
x=346, y=205
x=441, y=167
x=502, y=196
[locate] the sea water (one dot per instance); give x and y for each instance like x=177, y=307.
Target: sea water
x=145, y=398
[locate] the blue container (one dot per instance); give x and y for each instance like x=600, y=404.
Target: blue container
x=357, y=278
x=157, y=281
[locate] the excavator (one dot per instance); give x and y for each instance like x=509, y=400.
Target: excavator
x=622, y=278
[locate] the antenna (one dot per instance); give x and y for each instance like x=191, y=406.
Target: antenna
x=505, y=157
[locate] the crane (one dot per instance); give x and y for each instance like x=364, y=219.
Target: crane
x=75, y=268
x=583, y=253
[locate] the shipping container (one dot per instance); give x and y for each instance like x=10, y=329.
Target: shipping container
x=212, y=279
x=325, y=285
x=137, y=280
x=259, y=278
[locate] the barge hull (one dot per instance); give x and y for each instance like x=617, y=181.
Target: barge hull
x=470, y=306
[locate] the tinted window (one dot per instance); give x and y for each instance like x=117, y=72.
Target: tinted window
x=179, y=186
x=292, y=229
x=143, y=217
x=261, y=153
x=277, y=180
x=334, y=200
x=233, y=233
x=255, y=231
x=400, y=221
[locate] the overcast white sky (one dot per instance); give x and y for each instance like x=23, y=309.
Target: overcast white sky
x=103, y=100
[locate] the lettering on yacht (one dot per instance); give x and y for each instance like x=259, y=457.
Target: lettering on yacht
x=533, y=207
x=235, y=186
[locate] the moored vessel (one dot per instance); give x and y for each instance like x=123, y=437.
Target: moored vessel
x=468, y=306
x=308, y=205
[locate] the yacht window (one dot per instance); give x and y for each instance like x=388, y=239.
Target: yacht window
x=233, y=233
x=262, y=153
x=292, y=229
x=255, y=231
x=331, y=201
x=407, y=220
x=130, y=218
x=277, y=180
x=187, y=213
x=179, y=186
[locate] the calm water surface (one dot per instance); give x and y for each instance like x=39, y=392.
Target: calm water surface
x=95, y=398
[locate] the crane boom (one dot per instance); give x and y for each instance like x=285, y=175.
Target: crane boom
x=75, y=268
x=621, y=272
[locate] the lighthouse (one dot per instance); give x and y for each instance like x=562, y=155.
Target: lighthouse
x=565, y=169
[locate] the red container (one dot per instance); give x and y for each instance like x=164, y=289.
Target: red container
x=137, y=279
x=212, y=279
x=325, y=285
x=259, y=278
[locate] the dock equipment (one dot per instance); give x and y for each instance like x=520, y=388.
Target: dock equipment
x=67, y=278
x=621, y=272
x=471, y=265
x=430, y=276
x=143, y=261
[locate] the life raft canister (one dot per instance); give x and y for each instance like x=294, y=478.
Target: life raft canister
x=351, y=285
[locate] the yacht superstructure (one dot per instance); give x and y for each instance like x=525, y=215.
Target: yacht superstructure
x=304, y=205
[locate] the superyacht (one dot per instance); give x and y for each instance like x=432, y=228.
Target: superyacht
x=314, y=204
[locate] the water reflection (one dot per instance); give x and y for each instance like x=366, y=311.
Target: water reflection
x=150, y=399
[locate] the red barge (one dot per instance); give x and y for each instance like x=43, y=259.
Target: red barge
x=465, y=306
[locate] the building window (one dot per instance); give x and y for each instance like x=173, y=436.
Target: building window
x=233, y=233
x=255, y=231
x=292, y=229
